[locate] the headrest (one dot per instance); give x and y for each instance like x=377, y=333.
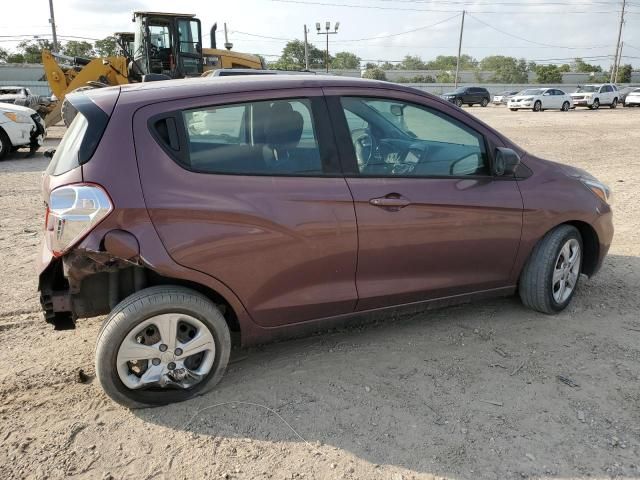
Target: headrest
x=284, y=126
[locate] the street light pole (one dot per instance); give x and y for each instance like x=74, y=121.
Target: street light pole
x=327, y=33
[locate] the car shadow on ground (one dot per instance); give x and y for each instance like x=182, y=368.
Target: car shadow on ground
x=493, y=385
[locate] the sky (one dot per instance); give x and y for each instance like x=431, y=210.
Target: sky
x=546, y=31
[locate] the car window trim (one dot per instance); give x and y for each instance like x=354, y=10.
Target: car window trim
x=329, y=156
x=347, y=151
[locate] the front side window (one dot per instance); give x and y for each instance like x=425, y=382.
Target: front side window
x=395, y=138
x=274, y=137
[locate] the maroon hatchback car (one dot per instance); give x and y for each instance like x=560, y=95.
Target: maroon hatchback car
x=274, y=205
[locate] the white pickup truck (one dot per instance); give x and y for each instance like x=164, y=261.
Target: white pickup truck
x=592, y=96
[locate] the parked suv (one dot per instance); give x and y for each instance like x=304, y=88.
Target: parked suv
x=276, y=205
x=593, y=96
x=469, y=96
x=20, y=127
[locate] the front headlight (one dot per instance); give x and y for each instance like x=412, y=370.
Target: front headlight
x=528, y=99
x=600, y=190
x=18, y=117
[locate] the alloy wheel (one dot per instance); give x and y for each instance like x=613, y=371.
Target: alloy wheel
x=566, y=271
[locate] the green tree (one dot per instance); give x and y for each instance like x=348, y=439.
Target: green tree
x=581, y=66
x=548, y=74
x=505, y=69
x=387, y=66
x=345, y=61
x=374, y=74
x=448, y=62
x=624, y=73
x=412, y=62
x=75, y=48
x=292, y=57
x=445, y=77
x=107, y=47
x=15, y=58
x=4, y=54
x=31, y=50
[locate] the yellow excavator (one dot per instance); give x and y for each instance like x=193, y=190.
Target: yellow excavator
x=164, y=46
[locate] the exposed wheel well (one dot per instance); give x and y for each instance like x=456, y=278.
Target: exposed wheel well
x=590, y=246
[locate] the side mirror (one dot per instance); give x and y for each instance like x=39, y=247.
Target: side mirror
x=505, y=162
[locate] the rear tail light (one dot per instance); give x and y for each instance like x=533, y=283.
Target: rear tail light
x=72, y=212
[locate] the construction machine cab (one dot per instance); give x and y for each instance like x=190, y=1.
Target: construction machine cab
x=168, y=44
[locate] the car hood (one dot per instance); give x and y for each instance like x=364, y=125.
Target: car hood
x=450, y=94
x=578, y=94
x=520, y=97
x=8, y=107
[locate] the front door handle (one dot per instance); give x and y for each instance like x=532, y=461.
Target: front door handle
x=392, y=201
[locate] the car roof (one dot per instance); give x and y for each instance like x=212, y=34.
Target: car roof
x=201, y=86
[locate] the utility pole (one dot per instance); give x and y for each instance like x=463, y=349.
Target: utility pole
x=619, y=60
x=306, y=49
x=459, y=50
x=52, y=21
x=327, y=33
x=615, y=57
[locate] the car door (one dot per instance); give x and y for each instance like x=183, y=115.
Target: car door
x=605, y=95
x=247, y=188
x=432, y=221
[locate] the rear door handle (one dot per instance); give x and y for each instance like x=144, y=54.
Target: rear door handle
x=392, y=201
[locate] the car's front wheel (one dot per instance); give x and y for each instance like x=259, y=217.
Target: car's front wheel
x=5, y=144
x=550, y=276
x=595, y=105
x=537, y=107
x=513, y=109
x=459, y=102
x=162, y=345
x=566, y=106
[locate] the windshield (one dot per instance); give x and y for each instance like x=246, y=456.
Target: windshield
x=460, y=90
x=587, y=89
x=532, y=91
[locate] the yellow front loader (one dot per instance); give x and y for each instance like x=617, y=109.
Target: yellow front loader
x=164, y=46
x=79, y=74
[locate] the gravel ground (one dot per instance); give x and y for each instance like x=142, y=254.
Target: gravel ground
x=470, y=392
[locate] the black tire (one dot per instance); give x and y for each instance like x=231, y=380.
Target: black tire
x=484, y=102
x=565, y=106
x=537, y=107
x=614, y=104
x=5, y=144
x=458, y=102
x=137, y=308
x=596, y=104
x=513, y=109
x=536, y=279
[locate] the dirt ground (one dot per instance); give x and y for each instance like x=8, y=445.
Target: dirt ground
x=470, y=392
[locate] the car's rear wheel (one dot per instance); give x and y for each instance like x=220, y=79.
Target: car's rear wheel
x=484, y=102
x=614, y=104
x=551, y=275
x=566, y=106
x=537, y=107
x=5, y=144
x=162, y=345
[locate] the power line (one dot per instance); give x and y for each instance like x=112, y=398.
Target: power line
x=502, y=12
x=402, y=33
x=531, y=41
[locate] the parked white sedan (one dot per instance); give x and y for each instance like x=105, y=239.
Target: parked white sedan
x=538, y=99
x=633, y=98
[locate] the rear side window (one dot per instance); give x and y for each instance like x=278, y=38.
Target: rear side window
x=66, y=156
x=276, y=137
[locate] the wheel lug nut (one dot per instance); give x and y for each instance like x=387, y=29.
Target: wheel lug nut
x=171, y=366
x=156, y=361
x=178, y=351
x=163, y=348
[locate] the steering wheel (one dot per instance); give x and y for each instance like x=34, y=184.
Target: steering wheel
x=365, y=145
